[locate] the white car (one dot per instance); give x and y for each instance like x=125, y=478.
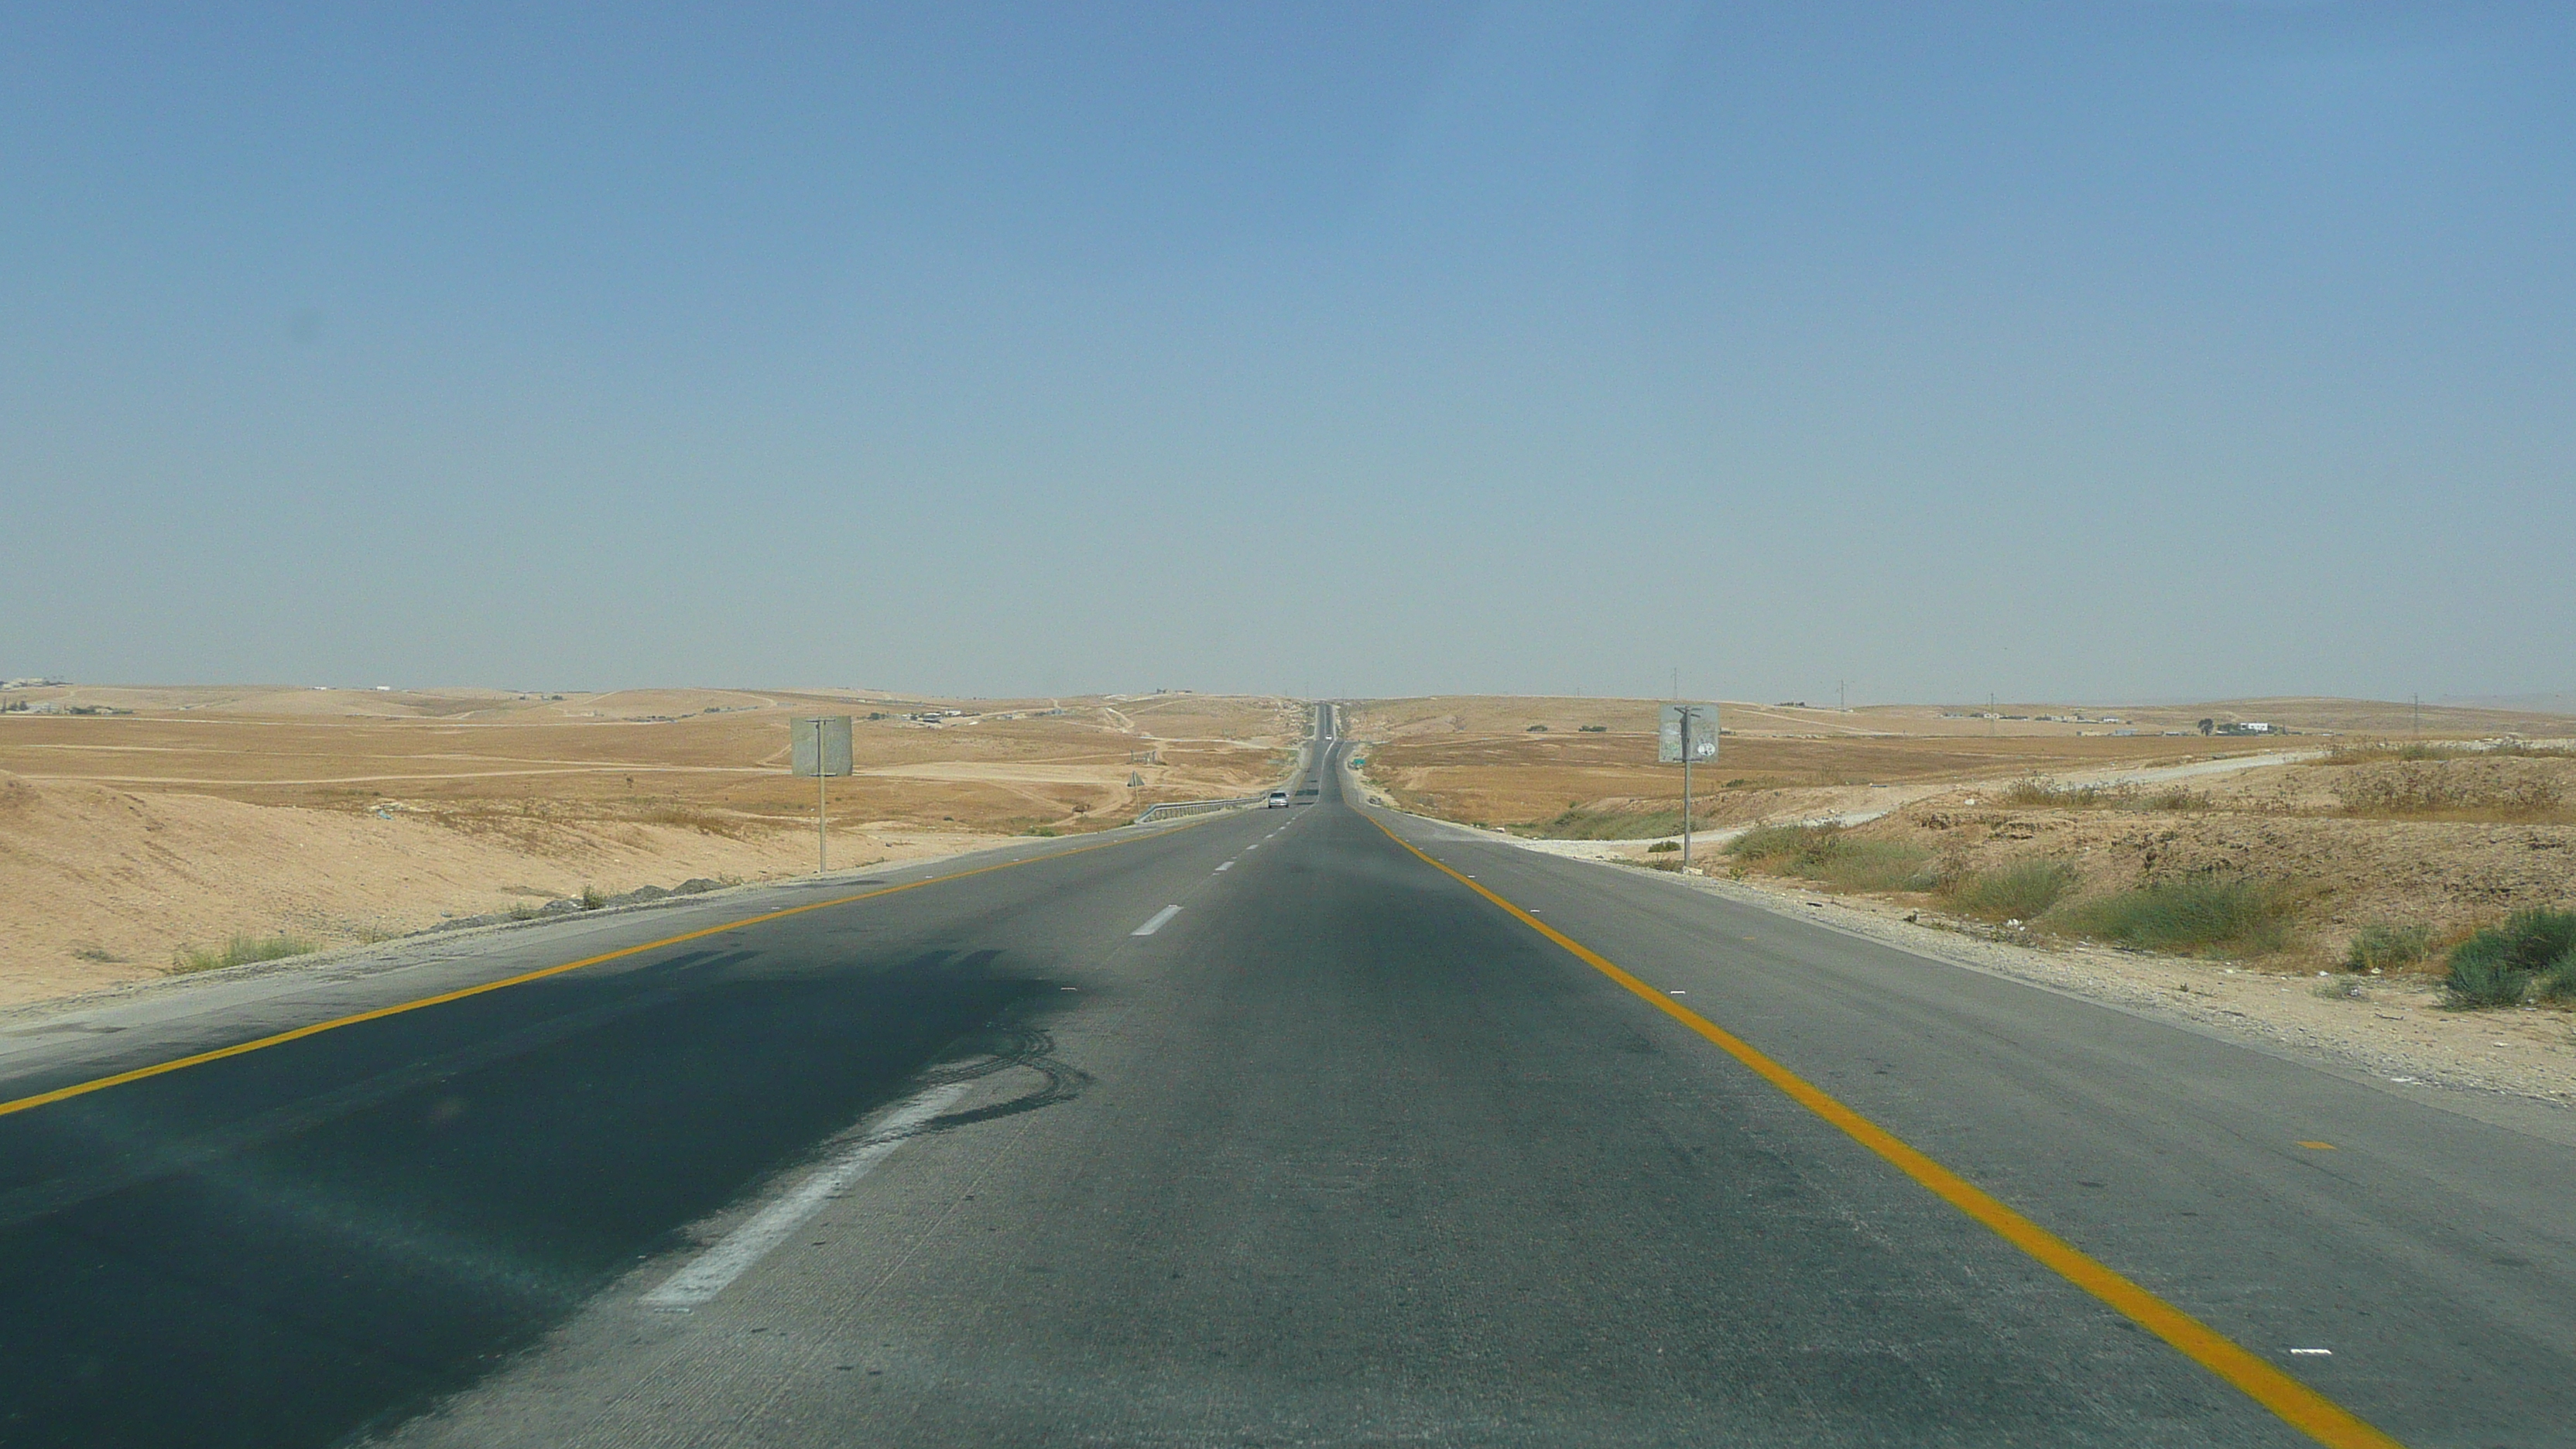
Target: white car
x=1278, y=800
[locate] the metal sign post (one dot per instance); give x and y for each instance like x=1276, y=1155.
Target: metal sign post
x=1684, y=733
x=819, y=745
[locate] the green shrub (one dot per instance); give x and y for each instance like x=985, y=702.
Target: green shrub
x=2530, y=940
x=240, y=951
x=2021, y=892
x=2500, y=965
x=2479, y=979
x=2557, y=981
x=2387, y=947
x=1660, y=846
x=2192, y=914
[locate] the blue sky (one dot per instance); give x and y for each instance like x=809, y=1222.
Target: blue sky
x=2097, y=351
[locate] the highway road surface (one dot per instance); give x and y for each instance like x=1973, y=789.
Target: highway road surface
x=1314, y=1126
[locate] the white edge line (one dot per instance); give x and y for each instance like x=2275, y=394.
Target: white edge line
x=1156, y=924
x=737, y=1251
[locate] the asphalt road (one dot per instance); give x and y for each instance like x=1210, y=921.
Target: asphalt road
x=1342, y=1151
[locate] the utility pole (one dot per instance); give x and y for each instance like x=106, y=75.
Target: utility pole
x=1842, y=696
x=2419, y=715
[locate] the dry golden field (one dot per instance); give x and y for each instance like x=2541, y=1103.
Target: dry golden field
x=1585, y=767
x=336, y=815
x=2318, y=837
x=1591, y=770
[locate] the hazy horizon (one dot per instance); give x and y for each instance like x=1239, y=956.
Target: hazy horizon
x=2152, y=351
x=2534, y=703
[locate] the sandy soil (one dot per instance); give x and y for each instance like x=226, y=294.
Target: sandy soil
x=343, y=815
x=2449, y=875
x=105, y=886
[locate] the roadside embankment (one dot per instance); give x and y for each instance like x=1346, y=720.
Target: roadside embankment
x=2405, y=906
x=2397, y=1029
x=108, y=886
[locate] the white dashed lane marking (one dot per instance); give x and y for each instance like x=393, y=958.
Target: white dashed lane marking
x=737, y=1251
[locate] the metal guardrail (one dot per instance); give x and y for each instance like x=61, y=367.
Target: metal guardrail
x=1184, y=807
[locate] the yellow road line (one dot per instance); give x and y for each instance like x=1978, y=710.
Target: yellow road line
x=2303, y=1408
x=100, y=1084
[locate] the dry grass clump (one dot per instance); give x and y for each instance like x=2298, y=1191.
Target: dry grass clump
x=551, y=825
x=2388, y=946
x=239, y=951
x=1829, y=855
x=681, y=816
x=1576, y=822
x=2191, y=915
x=1767, y=843
x=2369, y=752
x=2453, y=789
x=2023, y=891
x=530, y=824
x=2040, y=794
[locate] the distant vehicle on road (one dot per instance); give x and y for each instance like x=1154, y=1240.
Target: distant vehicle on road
x=1278, y=800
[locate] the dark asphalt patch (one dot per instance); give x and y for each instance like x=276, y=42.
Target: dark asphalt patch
x=283, y=1248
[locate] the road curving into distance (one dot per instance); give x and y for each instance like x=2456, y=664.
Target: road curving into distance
x=1323, y=1125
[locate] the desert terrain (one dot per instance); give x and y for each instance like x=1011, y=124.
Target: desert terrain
x=2343, y=817
x=146, y=829
x=2312, y=886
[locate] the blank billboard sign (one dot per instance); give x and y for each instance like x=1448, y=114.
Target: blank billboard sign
x=820, y=744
